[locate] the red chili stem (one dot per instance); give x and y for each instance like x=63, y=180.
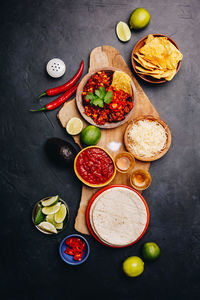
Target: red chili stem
x=43, y=94
x=59, y=101
x=62, y=88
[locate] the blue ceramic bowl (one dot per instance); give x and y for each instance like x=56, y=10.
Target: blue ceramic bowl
x=69, y=259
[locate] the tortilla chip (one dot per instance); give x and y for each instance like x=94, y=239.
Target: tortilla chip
x=144, y=63
x=122, y=81
x=149, y=38
x=156, y=71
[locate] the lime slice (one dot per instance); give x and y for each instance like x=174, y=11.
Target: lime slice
x=48, y=227
x=49, y=210
x=51, y=201
x=61, y=214
x=74, y=126
x=59, y=225
x=123, y=32
x=39, y=216
x=50, y=219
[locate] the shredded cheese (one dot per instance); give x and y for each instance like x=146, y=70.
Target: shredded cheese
x=147, y=138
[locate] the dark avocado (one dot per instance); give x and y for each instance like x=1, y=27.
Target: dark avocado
x=60, y=151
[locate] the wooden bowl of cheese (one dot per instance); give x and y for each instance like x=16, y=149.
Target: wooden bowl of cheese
x=147, y=138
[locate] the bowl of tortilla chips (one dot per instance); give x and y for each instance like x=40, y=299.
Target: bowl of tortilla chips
x=156, y=58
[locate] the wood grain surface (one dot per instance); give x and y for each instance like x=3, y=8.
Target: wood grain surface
x=111, y=139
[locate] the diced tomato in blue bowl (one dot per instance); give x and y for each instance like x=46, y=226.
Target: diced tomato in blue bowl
x=74, y=249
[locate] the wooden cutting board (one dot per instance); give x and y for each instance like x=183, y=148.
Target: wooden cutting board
x=111, y=139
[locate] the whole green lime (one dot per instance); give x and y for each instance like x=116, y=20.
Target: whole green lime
x=133, y=266
x=139, y=18
x=90, y=135
x=150, y=251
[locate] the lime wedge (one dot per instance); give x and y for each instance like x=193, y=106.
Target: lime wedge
x=50, y=219
x=59, y=225
x=74, y=126
x=123, y=32
x=50, y=201
x=49, y=210
x=39, y=216
x=48, y=227
x=61, y=214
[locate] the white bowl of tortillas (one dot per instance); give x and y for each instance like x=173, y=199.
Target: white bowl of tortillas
x=117, y=216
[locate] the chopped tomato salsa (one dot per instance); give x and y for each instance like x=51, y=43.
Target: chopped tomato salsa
x=95, y=166
x=115, y=111
x=75, y=247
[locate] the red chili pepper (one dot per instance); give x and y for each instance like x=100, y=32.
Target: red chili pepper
x=66, y=86
x=69, y=251
x=117, y=106
x=60, y=100
x=78, y=257
x=75, y=247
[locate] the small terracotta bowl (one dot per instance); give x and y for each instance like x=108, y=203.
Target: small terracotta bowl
x=90, y=184
x=139, y=45
x=79, y=101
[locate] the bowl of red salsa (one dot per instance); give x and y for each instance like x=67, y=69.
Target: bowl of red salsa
x=94, y=166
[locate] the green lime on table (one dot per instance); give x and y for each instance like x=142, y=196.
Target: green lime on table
x=90, y=135
x=139, y=18
x=133, y=266
x=150, y=251
x=123, y=32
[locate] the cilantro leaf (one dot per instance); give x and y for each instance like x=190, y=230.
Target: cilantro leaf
x=100, y=92
x=89, y=96
x=98, y=102
x=108, y=97
x=94, y=98
x=100, y=97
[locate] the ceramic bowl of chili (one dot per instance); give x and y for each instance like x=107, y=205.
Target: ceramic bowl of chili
x=112, y=115
x=74, y=249
x=94, y=166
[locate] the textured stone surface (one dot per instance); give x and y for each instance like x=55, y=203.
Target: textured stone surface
x=33, y=32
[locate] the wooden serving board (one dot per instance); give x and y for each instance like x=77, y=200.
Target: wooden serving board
x=111, y=139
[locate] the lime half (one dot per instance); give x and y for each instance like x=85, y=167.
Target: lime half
x=49, y=210
x=74, y=126
x=61, y=214
x=123, y=32
x=50, y=201
x=133, y=266
x=48, y=227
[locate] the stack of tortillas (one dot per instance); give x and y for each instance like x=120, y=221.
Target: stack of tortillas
x=118, y=216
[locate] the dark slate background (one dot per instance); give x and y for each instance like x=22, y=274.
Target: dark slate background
x=33, y=32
